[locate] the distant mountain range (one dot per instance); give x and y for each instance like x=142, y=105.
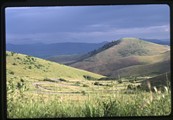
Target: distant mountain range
x=127, y=57
x=49, y=50
x=56, y=50
x=162, y=42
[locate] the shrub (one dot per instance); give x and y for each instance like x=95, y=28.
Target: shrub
x=107, y=78
x=120, y=81
x=19, y=85
x=61, y=79
x=131, y=87
x=97, y=83
x=89, y=77
x=138, y=86
x=85, y=85
x=12, y=53
x=30, y=67
x=11, y=72
x=32, y=59
x=14, y=64
x=83, y=92
x=47, y=79
x=21, y=80
x=18, y=58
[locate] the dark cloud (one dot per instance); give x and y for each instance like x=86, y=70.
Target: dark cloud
x=87, y=23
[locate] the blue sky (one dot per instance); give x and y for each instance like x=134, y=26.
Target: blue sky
x=92, y=24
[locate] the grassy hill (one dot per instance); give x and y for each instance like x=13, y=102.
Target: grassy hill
x=158, y=64
x=144, y=70
x=126, y=52
x=24, y=65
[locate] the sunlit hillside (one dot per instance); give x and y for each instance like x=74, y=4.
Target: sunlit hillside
x=124, y=53
x=23, y=65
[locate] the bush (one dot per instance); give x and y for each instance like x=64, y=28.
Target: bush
x=12, y=53
x=120, y=81
x=32, y=59
x=11, y=72
x=18, y=58
x=97, y=83
x=22, y=80
x=85, y=85
x=61, y=79
x=47, y=79
x=131, y=87
x=83, y=92
x=138, y=86
x=107, y=78
x=30, y=67
x=89, y=77
x=14, y=64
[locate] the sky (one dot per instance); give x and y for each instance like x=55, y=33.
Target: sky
x=88, y=24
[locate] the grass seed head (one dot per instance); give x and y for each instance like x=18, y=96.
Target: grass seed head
x=155, y=89
x=149, y=85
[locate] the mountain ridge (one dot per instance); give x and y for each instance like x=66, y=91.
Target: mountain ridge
x=49, y=50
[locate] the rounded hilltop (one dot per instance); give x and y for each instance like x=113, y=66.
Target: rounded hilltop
x=129, y=38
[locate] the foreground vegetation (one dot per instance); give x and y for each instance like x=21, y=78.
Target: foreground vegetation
x=22, y=105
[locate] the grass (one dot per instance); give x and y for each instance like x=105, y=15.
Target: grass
x=88, y=106
x=39, y=68
x=35, y=93
x=128, y=56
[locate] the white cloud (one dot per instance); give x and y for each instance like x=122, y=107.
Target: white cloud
x=142, y=30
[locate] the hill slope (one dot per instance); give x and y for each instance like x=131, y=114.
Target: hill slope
x=65, y=59
x=120, y=54
x=24, y=65
x=158, y=81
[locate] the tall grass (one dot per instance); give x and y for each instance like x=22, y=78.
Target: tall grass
x=22, y=106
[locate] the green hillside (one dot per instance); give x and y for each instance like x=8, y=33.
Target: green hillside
x=126, y=52
x=23, y=65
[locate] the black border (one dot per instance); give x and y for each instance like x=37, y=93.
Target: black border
x=37, y=3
